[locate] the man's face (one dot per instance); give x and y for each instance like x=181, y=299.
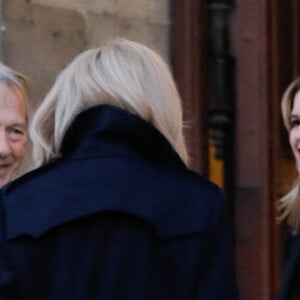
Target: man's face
x=13, y=131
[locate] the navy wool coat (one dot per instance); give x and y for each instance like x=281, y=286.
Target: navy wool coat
x=117, y=217
x=290, y=281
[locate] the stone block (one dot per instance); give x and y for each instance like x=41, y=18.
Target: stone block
x=154, y=11
x=103, y=28
x=95, y=6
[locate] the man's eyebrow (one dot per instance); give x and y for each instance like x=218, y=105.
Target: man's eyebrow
x=18, y=124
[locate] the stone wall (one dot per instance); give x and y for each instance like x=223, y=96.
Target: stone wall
x=39, y=37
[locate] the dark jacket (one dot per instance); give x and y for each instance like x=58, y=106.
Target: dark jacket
x=117, y=217
x=290, y=282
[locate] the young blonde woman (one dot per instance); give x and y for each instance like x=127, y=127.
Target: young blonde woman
x=290, y=204
x=112, y=212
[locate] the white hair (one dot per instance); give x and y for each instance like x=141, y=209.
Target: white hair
x=13, y=78
x=122, y=73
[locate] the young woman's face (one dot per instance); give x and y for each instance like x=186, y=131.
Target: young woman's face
x=295, y=129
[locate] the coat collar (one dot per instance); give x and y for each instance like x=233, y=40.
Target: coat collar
x=109, y=130
x=181, y=203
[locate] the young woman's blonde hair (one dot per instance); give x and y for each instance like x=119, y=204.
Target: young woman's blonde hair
x=289, y=205
x=122, y=73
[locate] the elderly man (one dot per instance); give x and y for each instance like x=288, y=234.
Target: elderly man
x=13, y=122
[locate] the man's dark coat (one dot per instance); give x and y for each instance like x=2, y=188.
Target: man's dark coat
x=117, y=217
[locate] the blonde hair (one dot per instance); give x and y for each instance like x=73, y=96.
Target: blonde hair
x=122, y=73
x=289, y=205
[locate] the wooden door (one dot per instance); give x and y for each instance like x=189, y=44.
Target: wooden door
x=265, y=44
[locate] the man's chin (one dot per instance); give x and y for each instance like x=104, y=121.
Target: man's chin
x=5, y=177
x=3, y=182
